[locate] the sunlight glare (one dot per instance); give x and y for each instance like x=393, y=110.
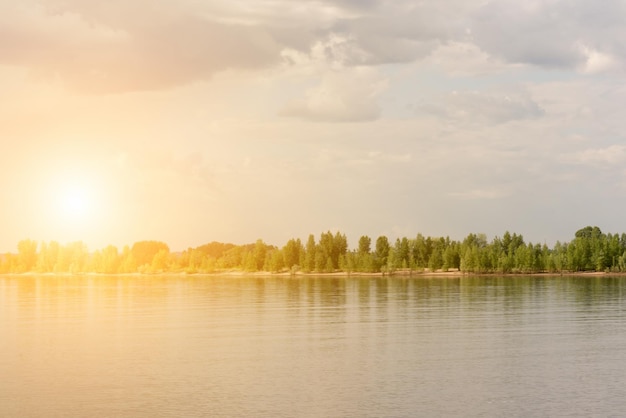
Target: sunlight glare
x=74, y=204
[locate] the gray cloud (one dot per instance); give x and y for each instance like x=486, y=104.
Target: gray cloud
x=562, y=34
x=405, y=31
x=523, y=33
x=141, y=45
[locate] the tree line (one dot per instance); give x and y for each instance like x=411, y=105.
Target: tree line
x=589, y=250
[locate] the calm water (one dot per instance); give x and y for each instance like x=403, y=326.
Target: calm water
x=312, y=347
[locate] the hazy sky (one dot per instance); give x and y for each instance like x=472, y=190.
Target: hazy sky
x=190, y=121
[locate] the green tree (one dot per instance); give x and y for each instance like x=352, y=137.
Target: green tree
x=340, y=248
x=326, y=245
x=111, y=259
x=292, y=252
x=329, y=266
x=321, y=261
x=160, y=261
x=47, y=256
x=8, y=263
x=310, y=254
x=144, y=251
x=451, y=256
x=260, y=251
x=401, y=250
x=365, y=245
x=237, y=258
x=276, y=261
x=420, y=252
x=193, y=260
x=128, y=263
x=333, y=247
x=382, y=251
x=27, y=255
x=436, y=260
x=248, y=261
x=215, y=249
x=469, y=261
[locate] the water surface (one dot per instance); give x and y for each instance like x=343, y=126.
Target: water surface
x=317, y=346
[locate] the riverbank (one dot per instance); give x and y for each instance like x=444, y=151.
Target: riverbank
x=397, y=273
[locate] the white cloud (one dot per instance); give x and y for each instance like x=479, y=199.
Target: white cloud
x=598, y=62
x=377, y=157
x=479, y=194
x=347, y=95
x=334, y=52
x=611, y=155
x=476, y=107
x=462, y=58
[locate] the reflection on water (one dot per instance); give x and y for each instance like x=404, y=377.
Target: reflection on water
x=316, y=346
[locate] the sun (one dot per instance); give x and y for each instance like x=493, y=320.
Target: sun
x=75, y=203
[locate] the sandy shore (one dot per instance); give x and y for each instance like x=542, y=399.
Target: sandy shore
x=397, y=273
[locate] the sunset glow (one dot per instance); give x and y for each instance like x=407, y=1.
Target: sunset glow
x=197, y=121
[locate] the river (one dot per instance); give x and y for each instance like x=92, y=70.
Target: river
x=199, y=346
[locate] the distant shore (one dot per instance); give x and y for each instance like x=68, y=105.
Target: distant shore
x=397, y=273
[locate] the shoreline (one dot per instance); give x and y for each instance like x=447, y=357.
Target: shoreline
x=398, y=274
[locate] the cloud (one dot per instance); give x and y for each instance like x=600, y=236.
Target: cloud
x=395, y=32
x=31, y=36
x=336, y=51
x=121, y=46
x=598, y=62
x=550, y=33
x=479, y=194
x=379, y=158
x=476, y=107
x=346, y=95
x=528, y=32
x=464, y=59
x=611, y=155
x=104, y=50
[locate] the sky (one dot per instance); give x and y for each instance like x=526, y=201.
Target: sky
x=193, y=121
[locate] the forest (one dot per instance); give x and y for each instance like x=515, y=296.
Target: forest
x=589, y=250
